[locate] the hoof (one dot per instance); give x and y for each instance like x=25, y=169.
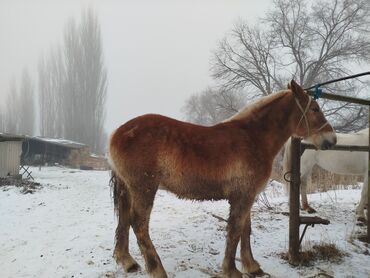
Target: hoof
x=257, y=273
x=309, y=209
x=128, y=263
x=361, y=219
x=134, y=267
x=158, y=273
x=232, y=273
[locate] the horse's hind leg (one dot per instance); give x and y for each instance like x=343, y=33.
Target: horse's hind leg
x=122, y=204
x=142, y=203
x=248, y=262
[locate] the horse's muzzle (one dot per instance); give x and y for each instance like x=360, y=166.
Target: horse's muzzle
x=326, y=145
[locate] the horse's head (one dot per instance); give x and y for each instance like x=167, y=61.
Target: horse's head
x=310, y=122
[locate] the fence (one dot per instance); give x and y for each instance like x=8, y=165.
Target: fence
x=295, y=220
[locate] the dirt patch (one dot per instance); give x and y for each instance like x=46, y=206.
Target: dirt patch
x=26, y=186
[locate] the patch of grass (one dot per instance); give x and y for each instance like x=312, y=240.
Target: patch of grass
x=319, y=252
x=27, y=186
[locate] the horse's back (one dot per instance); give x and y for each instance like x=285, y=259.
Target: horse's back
x=156, y=132
x=153, y=140
x=159, y=134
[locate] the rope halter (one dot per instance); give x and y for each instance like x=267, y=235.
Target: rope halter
x=304, y=116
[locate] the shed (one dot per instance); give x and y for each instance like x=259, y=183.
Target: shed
x=10, y=154
x=43, y=150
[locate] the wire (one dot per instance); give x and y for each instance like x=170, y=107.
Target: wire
x=339, y=79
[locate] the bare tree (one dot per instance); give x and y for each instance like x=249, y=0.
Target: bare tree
x=51, y=82
x=95, y=76
x=73, y=85
x=245, y=59
x=12, y=109
x=310, y=42
x=2, y=121
x=27, y=105
x=85, y=88
x=71, y=98
x=211, y=106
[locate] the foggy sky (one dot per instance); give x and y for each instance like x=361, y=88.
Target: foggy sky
x=157, y=53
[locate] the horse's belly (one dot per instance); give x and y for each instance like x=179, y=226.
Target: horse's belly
x=195, y=189
x=346, y=163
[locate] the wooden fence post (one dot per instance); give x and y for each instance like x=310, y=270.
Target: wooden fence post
x=368, y=190
x=295, y=181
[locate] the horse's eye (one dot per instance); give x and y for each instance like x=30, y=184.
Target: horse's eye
x=315, y=109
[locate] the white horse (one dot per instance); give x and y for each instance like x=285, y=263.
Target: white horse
x=339, y=162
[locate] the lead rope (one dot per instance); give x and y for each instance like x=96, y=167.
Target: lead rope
x=323, y=126
x=304, y=115
x=305, y=118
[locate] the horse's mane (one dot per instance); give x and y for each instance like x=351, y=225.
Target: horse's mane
x=255, y=106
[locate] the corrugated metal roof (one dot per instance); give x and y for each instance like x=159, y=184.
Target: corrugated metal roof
x=54, y=141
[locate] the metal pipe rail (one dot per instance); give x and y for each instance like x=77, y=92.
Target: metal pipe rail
x=341, y=98
x=350, y=148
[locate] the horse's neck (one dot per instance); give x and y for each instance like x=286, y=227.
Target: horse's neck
x=276, y=118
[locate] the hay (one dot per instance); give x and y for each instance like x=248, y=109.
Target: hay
x=319, y=252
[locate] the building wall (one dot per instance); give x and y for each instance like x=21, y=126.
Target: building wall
x=10, y=153
x=81, y=158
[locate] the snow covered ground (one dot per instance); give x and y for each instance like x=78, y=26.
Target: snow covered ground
x=66, y=229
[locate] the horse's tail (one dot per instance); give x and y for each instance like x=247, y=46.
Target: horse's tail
x=287, y=162
x=120, y=195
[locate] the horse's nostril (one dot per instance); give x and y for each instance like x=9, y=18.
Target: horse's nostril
x=326, y=145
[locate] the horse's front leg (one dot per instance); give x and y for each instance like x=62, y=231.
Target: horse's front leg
x=305, y=205
x=239, y=207
x=249, y=264
x=360, y=210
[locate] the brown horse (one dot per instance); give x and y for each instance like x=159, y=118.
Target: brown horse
x=231, y=160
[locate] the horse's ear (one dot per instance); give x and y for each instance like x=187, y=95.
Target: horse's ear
x=296, y=89
x=289, y=86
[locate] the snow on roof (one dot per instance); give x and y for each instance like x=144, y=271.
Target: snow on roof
x=60, y=142
x=55, y=141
